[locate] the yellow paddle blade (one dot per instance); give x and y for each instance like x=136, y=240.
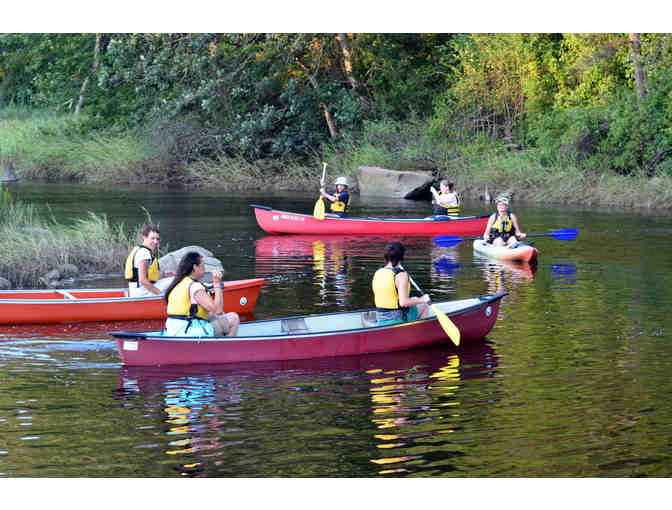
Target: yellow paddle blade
x=448, y=326
x=318, y=211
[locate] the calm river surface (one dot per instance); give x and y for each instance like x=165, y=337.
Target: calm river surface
x=573, y=381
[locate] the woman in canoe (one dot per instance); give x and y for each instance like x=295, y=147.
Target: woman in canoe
x=192, y=311
x=391, y=287
x=340, y=199
x=502, y=228
x=142, y=266
x=446, y=201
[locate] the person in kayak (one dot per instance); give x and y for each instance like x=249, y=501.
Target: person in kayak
x=192, y=310
x=502, y=228
x=391, y=287
x=340, y=199
x=446, y=201
x=142, y=266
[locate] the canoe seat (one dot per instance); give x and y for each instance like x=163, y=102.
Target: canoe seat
x=369, y=319
x=291, y=326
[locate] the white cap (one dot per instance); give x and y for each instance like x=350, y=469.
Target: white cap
x=342, y=180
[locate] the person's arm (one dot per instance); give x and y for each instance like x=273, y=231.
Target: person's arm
x=486, y=234
x=519, y=234
x=329, y=197
x=434, y=193
x=401, y=281
x=143, y=266
x=215, y=305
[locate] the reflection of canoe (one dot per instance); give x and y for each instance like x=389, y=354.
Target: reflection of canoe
x=311, y=336
x=477, y=360
x=283, y=222
x=524, y=252
x=49, y=306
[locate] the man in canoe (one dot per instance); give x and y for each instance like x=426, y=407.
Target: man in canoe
x=446, y=201
x=502, y=228
x=142, y=266
x=192, y=310
x=340, y=199
x=391, y=287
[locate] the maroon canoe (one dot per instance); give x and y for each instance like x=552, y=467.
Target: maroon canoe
x=274, y=221
x=311, y=336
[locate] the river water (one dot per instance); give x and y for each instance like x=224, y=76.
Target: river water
x=573, y=381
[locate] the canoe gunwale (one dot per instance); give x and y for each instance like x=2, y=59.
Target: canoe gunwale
x=484, y=299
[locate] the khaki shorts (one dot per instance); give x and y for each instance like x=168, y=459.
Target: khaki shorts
x=220, y=324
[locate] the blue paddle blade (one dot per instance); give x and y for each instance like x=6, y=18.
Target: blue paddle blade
x=565, y=234
x=447, y=240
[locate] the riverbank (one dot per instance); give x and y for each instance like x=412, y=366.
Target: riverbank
x=57, y=147
x=39, y=252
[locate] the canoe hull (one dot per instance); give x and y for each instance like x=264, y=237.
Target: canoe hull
x=278, y=222
x=474, y=322
x=51, y=306
x=524, y=253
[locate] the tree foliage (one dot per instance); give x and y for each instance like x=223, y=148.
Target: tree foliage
x=571, y=97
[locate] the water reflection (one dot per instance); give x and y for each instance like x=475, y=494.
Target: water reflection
x=504, y=276
x=211, y=423
x=563, y=275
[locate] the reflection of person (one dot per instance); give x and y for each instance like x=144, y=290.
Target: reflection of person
x=142, y=266
x=340, y=199
x=391, y=286
x=191, y=309
x=446, y=201
x=502, y=228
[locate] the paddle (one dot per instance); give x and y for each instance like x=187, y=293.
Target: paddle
x=318, y=210
x=448, y=326
x=563, y=234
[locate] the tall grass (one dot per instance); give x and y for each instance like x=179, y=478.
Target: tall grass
x=33, y=245
x=46, y=144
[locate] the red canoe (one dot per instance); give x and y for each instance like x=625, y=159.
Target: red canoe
x=50, y=306
x=310, y=336
x=283, y=222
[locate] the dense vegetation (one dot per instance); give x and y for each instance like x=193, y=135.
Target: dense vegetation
x=235, y=107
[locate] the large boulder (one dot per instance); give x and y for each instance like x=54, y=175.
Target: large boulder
x=5, y=283
x=170, y=261
x=6, y=174
x=392, y=183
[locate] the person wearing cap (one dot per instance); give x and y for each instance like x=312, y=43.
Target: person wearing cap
x=502, y=228
x=446, y=201
x=340, y=199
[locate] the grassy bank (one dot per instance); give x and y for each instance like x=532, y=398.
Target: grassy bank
x=33, y=245
x=49, y=145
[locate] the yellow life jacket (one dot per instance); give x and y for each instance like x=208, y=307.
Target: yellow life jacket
x=453, y=209
x=153, y=271
x=339, y=206
x=502, y=225
x=179, y=304
x=384, y=288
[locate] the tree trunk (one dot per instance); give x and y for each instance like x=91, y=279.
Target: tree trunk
x=347, y=59
x=94, y=68
x=327, y=115
x=640, y=77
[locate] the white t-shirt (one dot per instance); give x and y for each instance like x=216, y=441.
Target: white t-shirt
x=135, y=289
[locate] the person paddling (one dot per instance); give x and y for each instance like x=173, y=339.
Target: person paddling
x=391, y=287
x=502, y=228
x=192, y=311
x=340, y=199
x=142, y=266
x=446, y=201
